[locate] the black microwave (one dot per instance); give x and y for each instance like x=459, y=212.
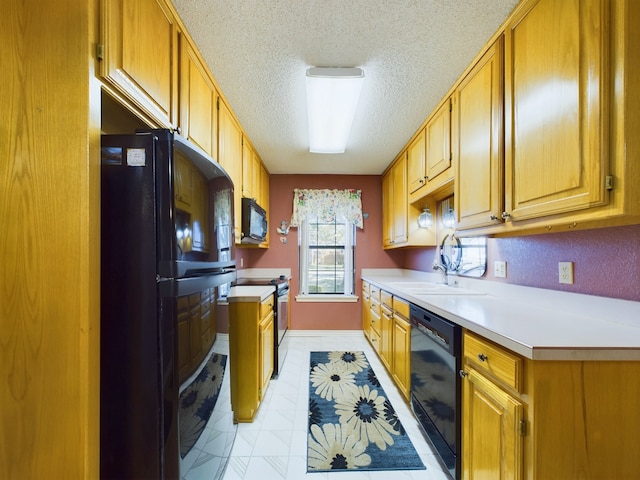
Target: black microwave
x=254, y=222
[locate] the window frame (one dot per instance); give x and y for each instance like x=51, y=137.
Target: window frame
x=304, y=252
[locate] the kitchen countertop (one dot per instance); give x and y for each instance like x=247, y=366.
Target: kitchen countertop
x=537, y=323
x=250, y=293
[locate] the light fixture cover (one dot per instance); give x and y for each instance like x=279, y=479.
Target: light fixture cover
x=332, y=98
x=425, y=219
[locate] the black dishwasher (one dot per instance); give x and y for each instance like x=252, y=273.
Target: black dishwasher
x=435, y=383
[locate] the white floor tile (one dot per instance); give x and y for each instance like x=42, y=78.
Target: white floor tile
x=274, y=446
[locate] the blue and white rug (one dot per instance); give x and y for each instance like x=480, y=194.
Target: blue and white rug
x=352, y=424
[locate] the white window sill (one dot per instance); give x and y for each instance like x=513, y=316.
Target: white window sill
x=327, y=298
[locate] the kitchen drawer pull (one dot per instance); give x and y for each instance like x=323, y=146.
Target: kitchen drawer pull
x=482, y=357
x=493, y=217
x=463, y=374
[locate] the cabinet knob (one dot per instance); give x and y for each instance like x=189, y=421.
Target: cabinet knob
x=482, y=357
x=505, y=215
x=463, y=374
x=493, y=217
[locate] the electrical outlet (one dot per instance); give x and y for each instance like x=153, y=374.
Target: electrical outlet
x=565, y=272
x=241, y=262
x=500, y=269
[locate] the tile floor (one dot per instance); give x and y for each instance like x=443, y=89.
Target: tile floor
x=274, y=446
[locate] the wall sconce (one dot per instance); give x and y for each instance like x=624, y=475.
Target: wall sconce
x=283, y=231
x=448, y=219
x=425, y=219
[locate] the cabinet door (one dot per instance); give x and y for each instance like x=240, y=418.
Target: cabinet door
x=556, y=107
x=230, y=157
x=402, y=355
x=266, y=353
x=479, y=192
x=386, y=333
x=438, y=143
x=140, y=57
x=400, y=202
x=416, y=166
x=491, y=441
x=387, y=199
x=248, y=171
x=198, y=101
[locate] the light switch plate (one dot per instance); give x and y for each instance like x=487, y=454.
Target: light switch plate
x=565, y=272
x=500, y=269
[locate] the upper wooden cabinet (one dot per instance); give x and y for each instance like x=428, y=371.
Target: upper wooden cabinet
x=416, y=163
x=230, y=157
x=139, y=55
x=395, y=203
x=198, y=100
x=556, y=99
x=429, y=154
x=479, y=192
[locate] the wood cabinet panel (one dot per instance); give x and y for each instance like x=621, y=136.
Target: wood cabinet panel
x=198, y=101
x=492, y=443
x=556, y=108
x=140, y=55
x=402, y=355
x=479, y=186
x=438, y=144
x=416, y=163
x=230, y=157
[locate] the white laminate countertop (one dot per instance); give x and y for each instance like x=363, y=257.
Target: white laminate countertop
x=537, y=323
x=250, y=293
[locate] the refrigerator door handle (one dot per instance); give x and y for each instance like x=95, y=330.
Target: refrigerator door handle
x=172, y=287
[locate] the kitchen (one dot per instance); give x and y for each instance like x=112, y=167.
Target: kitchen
x=50, y=346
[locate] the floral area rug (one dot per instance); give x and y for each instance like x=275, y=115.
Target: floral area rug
x=198, y=400
x=352, y=425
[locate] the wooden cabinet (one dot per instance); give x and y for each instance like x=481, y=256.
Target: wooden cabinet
x=416, y=163
x=429, y=154
x=366, y=305
x=374, y=317
x=539, y=419
x=230, y=157
x=493, y=416
x=395, y=203
x=568, y=119
x=386, y=330
x=401, y=347
x=479, y=186
x=556, y=99
x=250, y=172
x=139, y=55
x=251, y=342
x=196, y=330
x=198, y=100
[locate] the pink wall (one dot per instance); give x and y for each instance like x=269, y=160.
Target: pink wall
x=369, y=253
x=606, y=261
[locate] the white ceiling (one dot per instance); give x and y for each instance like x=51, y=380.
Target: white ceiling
x=412, y=52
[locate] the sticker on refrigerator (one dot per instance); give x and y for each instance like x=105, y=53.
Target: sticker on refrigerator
x=136, y=157
x=111, y=155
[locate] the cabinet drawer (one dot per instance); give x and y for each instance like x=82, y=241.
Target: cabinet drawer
x=266, y=306
x=365, y=287
x=401, y=308
x=488, y=357
x=386, y=299
x=374, y=292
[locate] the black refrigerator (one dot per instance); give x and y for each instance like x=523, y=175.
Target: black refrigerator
x=167, y=239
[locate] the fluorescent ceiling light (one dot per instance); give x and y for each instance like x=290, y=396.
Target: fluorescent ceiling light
x=332, y=97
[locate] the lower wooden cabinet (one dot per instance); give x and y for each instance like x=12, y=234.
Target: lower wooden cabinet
x=543, y=419
x=251, y=338
x=401, y=348
x=196, y=330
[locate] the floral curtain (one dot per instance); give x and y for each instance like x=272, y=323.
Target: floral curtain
x=326, y=204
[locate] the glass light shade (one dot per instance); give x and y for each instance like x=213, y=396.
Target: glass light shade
x=425, y=219
x=332, y=98
x=448, y=219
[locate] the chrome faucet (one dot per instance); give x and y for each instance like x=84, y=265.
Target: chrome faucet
x=443, y=272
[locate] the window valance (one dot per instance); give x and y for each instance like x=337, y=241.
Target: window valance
x=326, y=204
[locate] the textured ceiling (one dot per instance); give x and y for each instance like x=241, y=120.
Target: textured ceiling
x=412, y=52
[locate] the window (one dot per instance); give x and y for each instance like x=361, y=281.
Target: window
x=327, y=251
